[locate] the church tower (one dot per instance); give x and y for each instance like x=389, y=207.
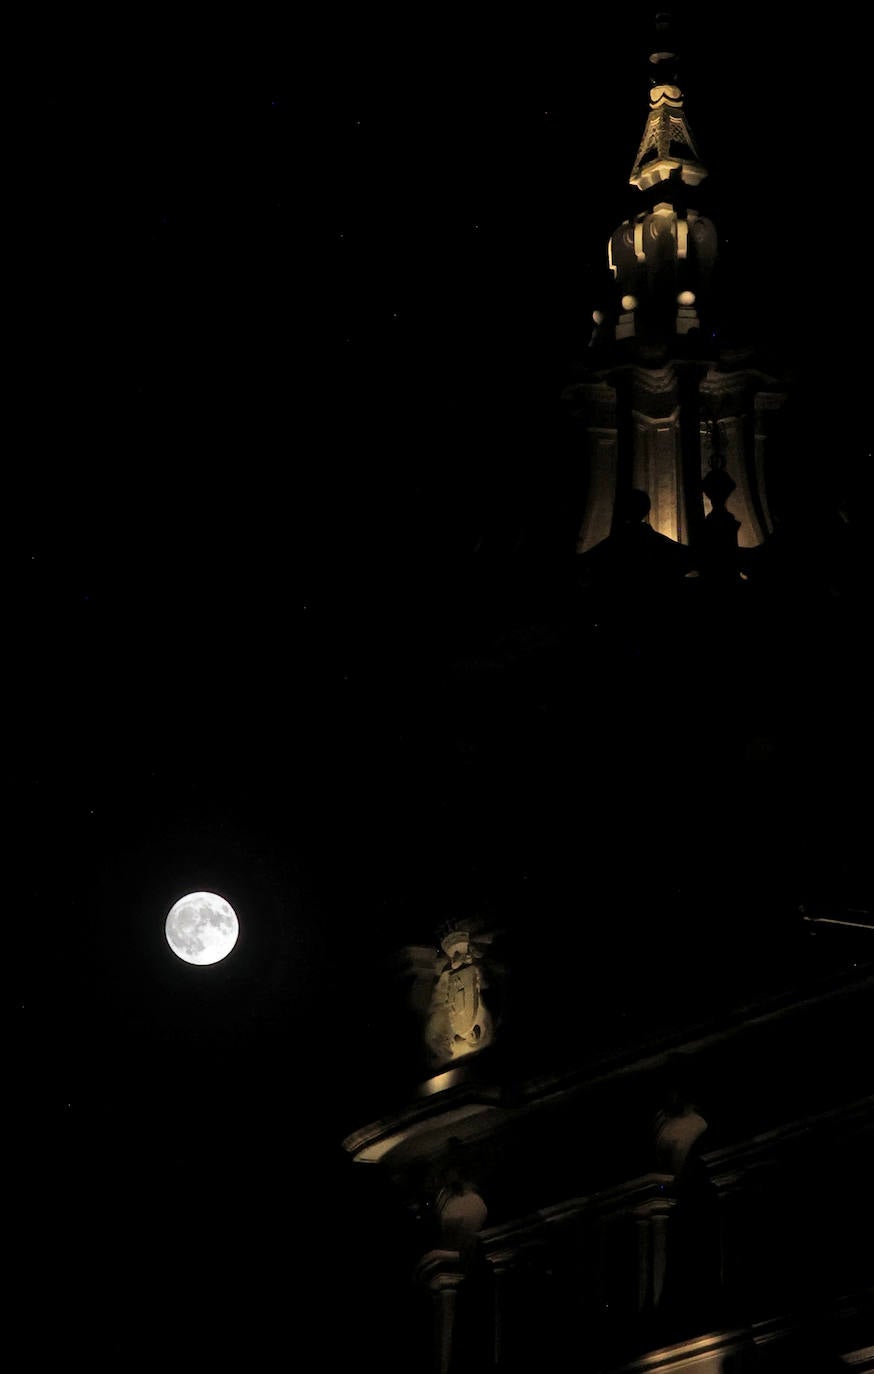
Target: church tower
x=664, y=406
x=632, y=1125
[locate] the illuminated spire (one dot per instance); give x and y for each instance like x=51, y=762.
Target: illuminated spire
x=663, y=259
x=666, y=409
x=667, y=148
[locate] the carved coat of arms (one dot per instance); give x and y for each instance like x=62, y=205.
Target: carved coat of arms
x=457, y=1020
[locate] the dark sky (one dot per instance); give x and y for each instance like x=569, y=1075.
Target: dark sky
x=291, y=357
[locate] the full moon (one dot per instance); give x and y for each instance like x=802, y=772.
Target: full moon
x=201, y=928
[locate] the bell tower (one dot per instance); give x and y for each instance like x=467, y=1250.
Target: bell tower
x=661, y=402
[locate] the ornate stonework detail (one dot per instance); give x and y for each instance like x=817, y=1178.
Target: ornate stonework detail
x=677, y=1127
x=650, y=139
x=654, y=392
x=461, y=1214
x=667, y=144
x=680, y=133
x=458, y=1022
x=594, y=401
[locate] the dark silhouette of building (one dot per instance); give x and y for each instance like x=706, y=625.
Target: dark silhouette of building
x=633, y=1125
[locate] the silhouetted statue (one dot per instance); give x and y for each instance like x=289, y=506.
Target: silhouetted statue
x=634, y=557
x=632, y=583
x=716, y=546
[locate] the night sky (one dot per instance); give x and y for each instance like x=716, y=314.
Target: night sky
x=291, y=476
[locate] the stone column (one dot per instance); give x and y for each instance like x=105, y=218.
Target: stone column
x=501, y=1265
x=442, y=1272
x=652, y=1219
x=643, y=1262
x=728, y=1187
x=659, y=1260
